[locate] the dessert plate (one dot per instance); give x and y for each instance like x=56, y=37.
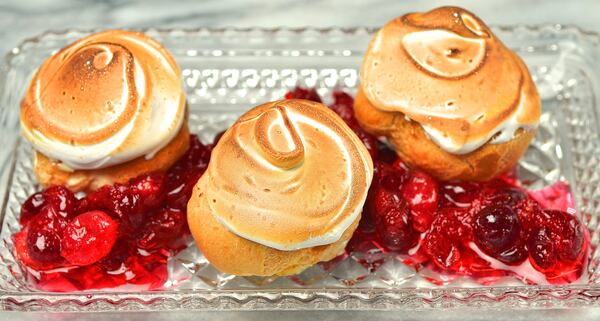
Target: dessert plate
x=227, y=71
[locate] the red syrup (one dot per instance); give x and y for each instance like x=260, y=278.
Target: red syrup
x=118, y=236
x=445, y=230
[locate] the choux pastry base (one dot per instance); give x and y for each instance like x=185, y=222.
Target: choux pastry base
x=50, y=172
x=418, y=151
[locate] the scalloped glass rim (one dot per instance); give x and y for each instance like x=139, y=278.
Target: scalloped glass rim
x=585, y=46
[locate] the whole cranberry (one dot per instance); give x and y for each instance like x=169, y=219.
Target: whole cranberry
x=161, y=229
x=572, y=236
x=421, y=193
x=566, y=231
x=555, y=236
x=43, y=237
x=394, y=230
x=88, y=238
x=61, y=199
x=497, y=232
x=150, y=188
x=58, y=197
x=393, y=221
x=31, y=207
x=443, y=252
x=24, y=256
x=541, y=249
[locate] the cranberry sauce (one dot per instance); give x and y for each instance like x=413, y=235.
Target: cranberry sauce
x=120, y=234
x=482, y=230
x=123, y=234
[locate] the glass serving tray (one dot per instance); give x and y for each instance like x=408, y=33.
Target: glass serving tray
x=227, y=71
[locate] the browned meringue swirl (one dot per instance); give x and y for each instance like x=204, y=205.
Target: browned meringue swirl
x=446, y=70
x=289, y=175
x=117, y=93
x=68, y=106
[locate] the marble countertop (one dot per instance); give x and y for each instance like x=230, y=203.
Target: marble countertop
x=20, y=19
x=26, y=18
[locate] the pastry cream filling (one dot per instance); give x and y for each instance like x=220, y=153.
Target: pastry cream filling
x=288, y=175
x=126, y=102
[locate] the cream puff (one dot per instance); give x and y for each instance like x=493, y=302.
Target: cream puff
x=284, y=189
x=103, y=110
x=451, y=98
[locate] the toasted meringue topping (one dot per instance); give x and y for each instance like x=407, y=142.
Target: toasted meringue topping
x=103, y=100
x=447, y=71
x=444, y=53
x=288, y=175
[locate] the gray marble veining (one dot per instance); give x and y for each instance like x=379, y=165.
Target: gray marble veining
x=26, y=18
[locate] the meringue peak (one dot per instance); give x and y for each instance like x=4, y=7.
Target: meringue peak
x=447, y=71
x=278, y=138
x=289, y=175
x=104, y=100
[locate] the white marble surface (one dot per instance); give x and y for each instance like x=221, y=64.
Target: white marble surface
x=26, y=18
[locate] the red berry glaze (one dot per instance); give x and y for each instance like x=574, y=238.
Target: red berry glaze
x=343, y=105
x=24, y=254
x=162, y=229
x=445, y=226
x=150, y=189
x=556, y=236
x=303, y=93
x=119, y=234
